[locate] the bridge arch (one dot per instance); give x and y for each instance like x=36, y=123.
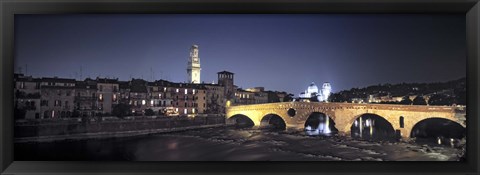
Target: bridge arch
x=372, y=126
x=240, y=120
x=274, y=121
x=320, y=121
x=433, y=127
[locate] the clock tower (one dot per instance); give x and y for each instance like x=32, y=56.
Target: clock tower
x=193, y=67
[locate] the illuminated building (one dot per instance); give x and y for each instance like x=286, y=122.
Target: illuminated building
x=193, y=68
x=312, y=91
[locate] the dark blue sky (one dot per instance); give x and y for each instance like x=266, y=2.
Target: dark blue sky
x=278, y=52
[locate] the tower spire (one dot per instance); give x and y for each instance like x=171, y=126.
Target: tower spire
x=193, y=67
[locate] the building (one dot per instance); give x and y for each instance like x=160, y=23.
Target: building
x=108, y=93
x=214, y=98
x=244, y=97
x=193, y=67
x=313, y=92
x=138, y=96
x=57, y=97
x=86, y=103
x=225, y=79
x=27, y=97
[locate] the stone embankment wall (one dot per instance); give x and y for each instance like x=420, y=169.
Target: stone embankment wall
x=55, y=130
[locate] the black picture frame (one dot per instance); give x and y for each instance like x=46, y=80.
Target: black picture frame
x=8, y=8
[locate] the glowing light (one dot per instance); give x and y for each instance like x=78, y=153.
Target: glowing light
x=308, y=128
x=228, y=103
x=371, y=131
x=193, y=110
x=356, y=123
x=143, y=102
x=439, y=141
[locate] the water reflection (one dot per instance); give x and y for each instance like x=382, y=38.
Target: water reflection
x=233, y=144
x=372, y=127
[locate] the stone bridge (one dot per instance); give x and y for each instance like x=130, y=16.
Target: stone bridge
x=344, y=114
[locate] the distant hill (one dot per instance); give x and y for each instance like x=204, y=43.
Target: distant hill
x=451, y=92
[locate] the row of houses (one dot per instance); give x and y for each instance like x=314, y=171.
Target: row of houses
x=42, y=98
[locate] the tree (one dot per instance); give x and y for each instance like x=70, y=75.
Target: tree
x=272, y=97
x=419, y=100
x=149, y=112
x=121, y=110
x=440, y=99
x=288, y=98
x=314, y=98
x=406, y=100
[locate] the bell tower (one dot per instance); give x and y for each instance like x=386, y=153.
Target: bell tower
x=193, y=67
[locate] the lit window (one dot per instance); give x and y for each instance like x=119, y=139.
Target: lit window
x=151, y=102
x=159, y=95
x=193, y=110
x=143, y=102
x=176, y=109
x=114, y=97
x=177, y=90
x=193, y=91
x=185, y=111
x=186, y=90
x=100, y=97
x=164, y=89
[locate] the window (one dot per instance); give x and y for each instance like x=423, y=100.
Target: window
x=114, y=98
x=100, y=97
x=193, y=91
x=143, y=102
x=177, y=90
x=101, y=88
x=185, y=104
x=66, y=103
x=402, y=124
x=186, y=91
x=151, y=102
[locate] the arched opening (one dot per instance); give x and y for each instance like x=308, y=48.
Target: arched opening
x=438, y=131
x=319, y=124
x=402, y=122
x=372, y=127
x=240, y=121
x=273, y=121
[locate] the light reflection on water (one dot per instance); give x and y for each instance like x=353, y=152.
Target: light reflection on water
x=232, y=144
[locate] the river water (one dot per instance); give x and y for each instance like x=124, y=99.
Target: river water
x=234, y=144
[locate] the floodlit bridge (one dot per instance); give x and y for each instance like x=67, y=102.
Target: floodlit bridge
x=400, y=118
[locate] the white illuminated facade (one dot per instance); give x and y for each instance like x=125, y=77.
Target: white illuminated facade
x=312, y=91
x=193, y=67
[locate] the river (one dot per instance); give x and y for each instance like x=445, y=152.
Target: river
x=233, y=144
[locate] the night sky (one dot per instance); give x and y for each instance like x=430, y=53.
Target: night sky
x=278, y=52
